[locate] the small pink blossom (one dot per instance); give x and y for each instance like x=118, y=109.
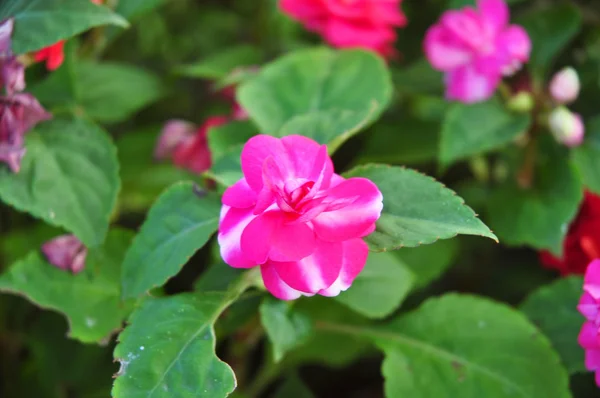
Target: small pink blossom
x=566, y=127
x=565, y=86
x=589, y=307
x=12, y=72
x=475, y=48
x=367, y=24
x=186, y=145
x=296, y=219
x=66, y=252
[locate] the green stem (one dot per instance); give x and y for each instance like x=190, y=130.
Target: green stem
x=268, y=373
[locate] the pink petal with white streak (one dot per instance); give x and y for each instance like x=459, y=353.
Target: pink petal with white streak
x=232, y=224
x=276, y=285
x=355, y=255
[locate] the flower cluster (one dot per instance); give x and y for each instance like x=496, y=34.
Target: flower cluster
x=582, y=243
x=475, y=48
x=66, y=252
x=351, y=23
x=566, y=127
x=19, y=112
x=589, y=307
x=295, y=218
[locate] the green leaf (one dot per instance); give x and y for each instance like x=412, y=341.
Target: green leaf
x=380, y=288
x=455, y=4
x=417, y=78
x=40, y=23
x=293, y=387
x=341, y=91
x=225, y=137
x=550, y=30
x=427, y=263
x=132, y=9
x=538, y=216
x=461, y=346
x=416, y=209
x=553, y=308
x=475, y=129
x=179, y=223
x=285, y=327
x=168, y=350
x=69, y=178
x=91, y=299
x=220, y=65
x=102, y=90
x=227, y=169
x=587, y=156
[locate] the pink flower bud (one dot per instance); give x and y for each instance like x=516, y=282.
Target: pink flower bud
x=566, y=127
x=174, y=133
x=565, y=86
x=66, y=252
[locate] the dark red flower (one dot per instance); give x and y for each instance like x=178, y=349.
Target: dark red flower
x=582, y=244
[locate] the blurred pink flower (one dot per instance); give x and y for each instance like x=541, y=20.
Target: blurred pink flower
x=589, y=306
x=297, y=219
x=66, y=252
x=367, y=24
x=18, y=114
x=186, y=145
x=565, y=86
x=12, y=72
x=475, y=48
x=566, y=127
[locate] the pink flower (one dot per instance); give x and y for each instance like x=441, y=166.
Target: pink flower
x=565, y=86
x=475, y=47
x=12, y=72
x=186, y=145
x=367, y=24
x=18, y=114
x=589, y=306
x=566, y=127
x=297, y=219
x=66, y=252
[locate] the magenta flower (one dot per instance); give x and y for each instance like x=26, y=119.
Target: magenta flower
x=66, y=252
x=12, y=72
x=297, y=219
x=18, y=114
x=589, y=306
x=367, y=24
x=475, y=48
x=186, y=144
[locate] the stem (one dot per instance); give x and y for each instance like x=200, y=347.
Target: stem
x=526, y=174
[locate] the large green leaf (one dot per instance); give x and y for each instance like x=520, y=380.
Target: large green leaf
x=539, y=215
x=40, y=23
x=416, y=209
x=338, y=91
x=179, y=223
x=132, y=9
x=227, y=169
x=553, y=308
x=168, y=350
x=286, y=327
x=69, y=178
x=220, y=65
x=224, y=138
x=427, y=263
x=91, y=299
x=464, y=346
x=474, y=129
x=380, y=288
x=293, y=387
x=106, y=92
x=587, y=156
x=550, y=31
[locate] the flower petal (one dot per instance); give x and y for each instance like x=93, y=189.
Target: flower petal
x=254, y=154
x=231, y=226
x=467, y=85
x=591, y=282
x=308, y=159
x=588, y=336
x=239, y=195
x=268, y=236
x=355, y=218
x=355, y=256
x=588, y=307
x=276, y=285
x=517, y=43
x=495, y=13
x=315, y=272
x=442, y=52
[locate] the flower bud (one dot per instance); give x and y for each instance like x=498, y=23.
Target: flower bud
x=565, y=86
x=65, y=252
x=174, y=133
x=521, y=102
x=566, y=127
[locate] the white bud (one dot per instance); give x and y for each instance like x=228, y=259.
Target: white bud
x=566, y=127
x=565, y=86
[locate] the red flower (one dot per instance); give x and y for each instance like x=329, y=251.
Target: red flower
x=582, y=244
x=54, y=55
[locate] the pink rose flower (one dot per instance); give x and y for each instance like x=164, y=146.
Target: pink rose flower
x=66, y=252
x=589, y=306
x=475, y=48
x=186, y=145
x=367, y=24
x=297, y=219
